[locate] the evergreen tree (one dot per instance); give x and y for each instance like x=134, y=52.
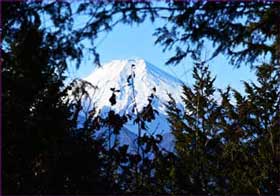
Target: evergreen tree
x=250, y=158
x=230, y=147
x=260, y=113
x=196, y=135
x=40, y=153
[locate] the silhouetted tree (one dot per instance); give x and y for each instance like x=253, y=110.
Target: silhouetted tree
x=253, y=124
x=196, y=133
x=230, y=147
x=41, y=155
x=49, y=143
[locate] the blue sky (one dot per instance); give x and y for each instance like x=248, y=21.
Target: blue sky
x=126, y=41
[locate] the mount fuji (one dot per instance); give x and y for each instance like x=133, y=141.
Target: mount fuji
x=146, y=79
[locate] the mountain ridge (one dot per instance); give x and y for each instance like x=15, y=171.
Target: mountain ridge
x=147, y=76
x=146, y=79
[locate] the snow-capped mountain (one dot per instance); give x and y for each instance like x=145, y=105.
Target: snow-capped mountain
x=133, y=81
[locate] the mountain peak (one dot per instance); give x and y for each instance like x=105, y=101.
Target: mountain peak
x=147, y=79
x=137, y=65
x=124, y=63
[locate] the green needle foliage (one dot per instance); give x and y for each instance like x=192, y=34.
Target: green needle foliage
x=230, y=147
x=40, y=154
x=225, y=142
x=196, y=133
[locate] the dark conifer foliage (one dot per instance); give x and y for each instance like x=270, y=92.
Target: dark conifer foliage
x=244, y=31
x=227, y=148
x=40, y=154
x=225, y=142
x=197, y=135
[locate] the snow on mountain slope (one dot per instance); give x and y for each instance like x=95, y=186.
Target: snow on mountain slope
x=146, y=78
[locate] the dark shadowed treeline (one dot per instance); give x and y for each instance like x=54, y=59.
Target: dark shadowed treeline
x=226, y=142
